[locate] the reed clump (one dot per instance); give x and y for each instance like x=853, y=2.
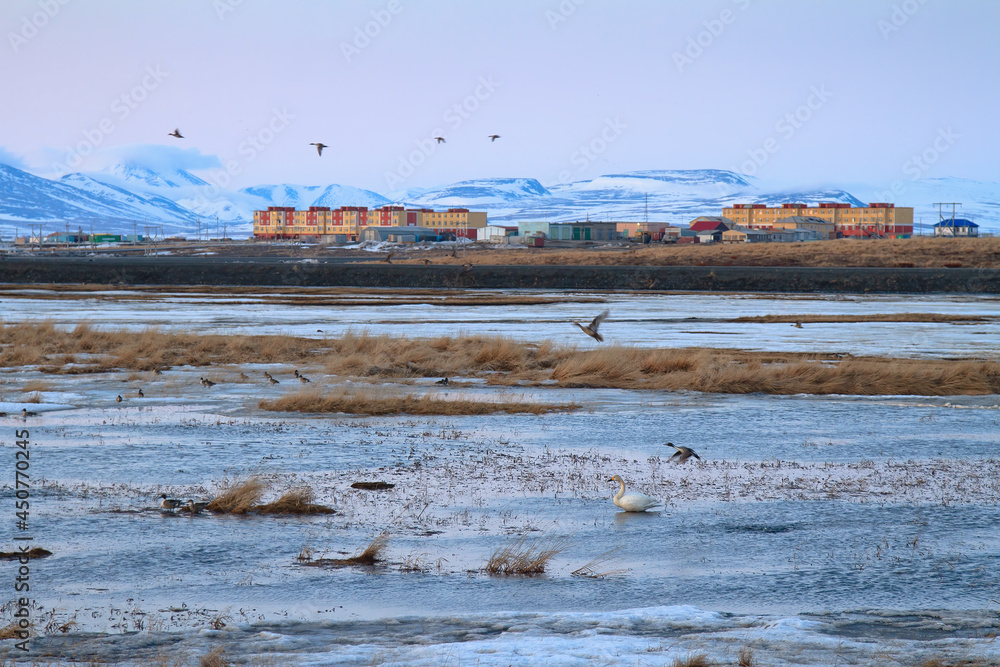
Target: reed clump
x=372, y=402
x=240, y=496
x=524, y=556
x=693, y=660
x=296, y=501
x=370, y=556
x=216, y=658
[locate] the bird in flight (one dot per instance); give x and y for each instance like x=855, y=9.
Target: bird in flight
x=591, y=329
x=440, y=140
x=494, y=137
x=683, y=453
x=388, y=258
x=319, y=147
x=175, y=133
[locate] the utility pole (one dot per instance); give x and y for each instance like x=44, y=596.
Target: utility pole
x=941, y=214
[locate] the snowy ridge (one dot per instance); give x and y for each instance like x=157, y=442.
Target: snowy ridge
x=125, y=193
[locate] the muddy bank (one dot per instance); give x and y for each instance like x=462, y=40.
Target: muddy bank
x=315, y=273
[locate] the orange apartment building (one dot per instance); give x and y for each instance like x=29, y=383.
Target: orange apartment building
x=282, y=222
x=877, y=220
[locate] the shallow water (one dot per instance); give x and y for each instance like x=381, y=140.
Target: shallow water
x=816, y=529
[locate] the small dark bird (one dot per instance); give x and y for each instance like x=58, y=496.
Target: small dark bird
x=797, y=325
x=494, y=137
x=140, y=394
x=442, y=381
x=591, y=329
x=175, y=133
x=25, y=412
x=682, y=454
x=427, y=262
x=388, y=258
x=169, y=503
x=157, y=372
x=440, y=140
x=119, y=399
x=466, y=268
x=272, y=380
x=196, y=507
x=267, y=375
x=319, y=147
x=302, y=378
x=206, y=383
x=244, y=376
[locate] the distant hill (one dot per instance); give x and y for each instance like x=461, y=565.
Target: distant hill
x=128, y=193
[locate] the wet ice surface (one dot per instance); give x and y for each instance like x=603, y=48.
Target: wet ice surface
x=649, y=319
x=818, y=529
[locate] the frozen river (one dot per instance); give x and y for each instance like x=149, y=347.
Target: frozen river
x=817, y=530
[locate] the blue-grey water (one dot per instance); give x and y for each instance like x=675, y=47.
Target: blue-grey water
x=816, y=530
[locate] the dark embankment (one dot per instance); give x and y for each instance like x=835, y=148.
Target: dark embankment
x=314, y=273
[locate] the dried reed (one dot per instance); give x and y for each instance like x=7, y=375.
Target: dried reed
x=595, y=569
x=371, y=555
x=214, y=659
x=373, y=402
x=692, y=660
x=524, y=556
x=239, y=496
x=296, y=501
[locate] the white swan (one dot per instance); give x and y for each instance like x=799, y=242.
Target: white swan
x=632, y=502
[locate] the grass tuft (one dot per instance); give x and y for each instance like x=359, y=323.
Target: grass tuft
x=214, y=659
x=296, y=501
x=524, y=556
x=693, y=660
x=239, y=496
x=371, y=555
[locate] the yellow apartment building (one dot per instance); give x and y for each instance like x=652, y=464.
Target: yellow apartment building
x=874, y=220
x=283, y=222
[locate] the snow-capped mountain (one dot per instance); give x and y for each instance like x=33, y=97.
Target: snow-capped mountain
x=127, y=193
x=77, y=202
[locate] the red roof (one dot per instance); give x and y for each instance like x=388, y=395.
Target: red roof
x=708, y=225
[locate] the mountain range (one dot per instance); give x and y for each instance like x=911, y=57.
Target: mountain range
x=127, y=196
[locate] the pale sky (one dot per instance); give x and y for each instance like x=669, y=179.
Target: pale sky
x=790, y=91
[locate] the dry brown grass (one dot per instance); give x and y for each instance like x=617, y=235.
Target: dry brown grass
x=36, y=385
x=296, y=501
x=745, y=657
x=370, y=556
x=597, y=567
x=524, y=556
x=214, y=659
x=693, y=660
x=239, y=496
x=914, y=252
x=11, y=631
x=373, y=402
x=501, y=361
x=36, y=552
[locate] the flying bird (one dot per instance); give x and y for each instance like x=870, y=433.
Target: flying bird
x=441, y=140
x=175, y=133
x=319, y=147
x=591, y=329
x=427, y=262
x=683, y=453
x=494, y=137
x=388, y=258
x=632, y=502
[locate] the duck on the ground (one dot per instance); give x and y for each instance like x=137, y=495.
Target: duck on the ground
x=169, y=503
